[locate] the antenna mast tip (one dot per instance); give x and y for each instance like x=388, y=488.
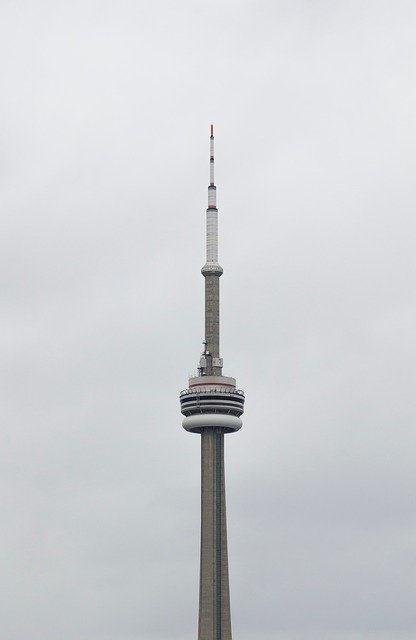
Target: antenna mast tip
x=212, y=131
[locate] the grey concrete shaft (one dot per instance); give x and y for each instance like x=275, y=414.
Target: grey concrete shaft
x=212, y=321
x=214, y=593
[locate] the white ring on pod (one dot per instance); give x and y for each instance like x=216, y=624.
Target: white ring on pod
x=202, y=420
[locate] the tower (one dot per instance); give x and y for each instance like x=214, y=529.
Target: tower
x=212, y=406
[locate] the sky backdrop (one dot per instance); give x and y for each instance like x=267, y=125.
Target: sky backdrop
x=105, y=111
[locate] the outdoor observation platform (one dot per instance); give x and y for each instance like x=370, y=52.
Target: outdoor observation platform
x=212, y=401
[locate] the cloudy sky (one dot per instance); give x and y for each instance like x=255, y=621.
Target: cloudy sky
x=105, y=111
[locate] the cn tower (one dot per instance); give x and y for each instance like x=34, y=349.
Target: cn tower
x=212, y=406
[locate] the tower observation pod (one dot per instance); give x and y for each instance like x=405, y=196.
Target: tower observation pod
x=212, y=406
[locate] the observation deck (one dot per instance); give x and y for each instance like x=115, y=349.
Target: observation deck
x=212, y=401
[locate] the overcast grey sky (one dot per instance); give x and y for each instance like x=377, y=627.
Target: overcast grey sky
x=105, y=112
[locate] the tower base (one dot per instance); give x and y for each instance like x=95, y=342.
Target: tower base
x=214, y=593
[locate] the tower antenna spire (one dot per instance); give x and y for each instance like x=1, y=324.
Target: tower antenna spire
x=211, y=157
x=212, y=272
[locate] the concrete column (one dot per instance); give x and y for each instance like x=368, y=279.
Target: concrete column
x=212, y=319
x=214, y=593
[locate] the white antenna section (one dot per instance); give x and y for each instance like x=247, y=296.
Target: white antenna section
x=212, y=196
x=212, y=265
x=212, y=213
x=212, y=235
